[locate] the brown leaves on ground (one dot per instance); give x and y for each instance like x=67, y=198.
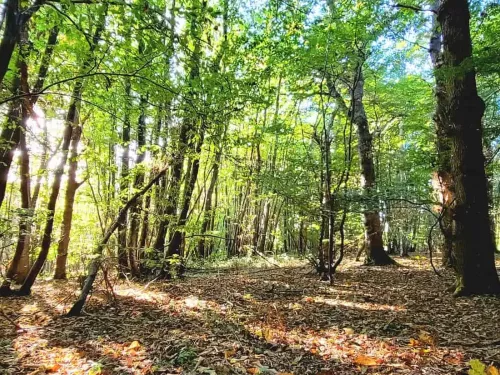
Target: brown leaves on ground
x=372, y=320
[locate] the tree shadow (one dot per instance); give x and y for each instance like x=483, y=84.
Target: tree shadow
x=289, y=322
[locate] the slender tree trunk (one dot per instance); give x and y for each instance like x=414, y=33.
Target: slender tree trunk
x=69, y=200
x=186, y=132
x=71, y=119
x=208, y=211
x=24, y=225
x=10, y=35
x=463, y=108
x=374, y=249
x=19, y=265
x=175, y=241
x=70, y=122
x=124, y=184
x=10, y=136
x=135, y=210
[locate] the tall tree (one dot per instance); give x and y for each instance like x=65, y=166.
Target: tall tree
x=463, y=109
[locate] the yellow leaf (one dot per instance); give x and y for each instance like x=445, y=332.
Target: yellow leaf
x=268, y=334
x=229, y=353
x=426, y=337
x=413, y=342
x=365, y=360
x=349, y=331
x=134, y=345
x=492, y=370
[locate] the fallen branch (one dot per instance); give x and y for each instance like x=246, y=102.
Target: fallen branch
x=6, y=317
x=95, y=264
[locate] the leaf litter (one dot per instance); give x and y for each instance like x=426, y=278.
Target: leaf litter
x=373, y=320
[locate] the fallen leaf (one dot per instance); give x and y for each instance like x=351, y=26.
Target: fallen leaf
x=229, y=353
x=365, y=360
x=348, y=331
x=134, y=345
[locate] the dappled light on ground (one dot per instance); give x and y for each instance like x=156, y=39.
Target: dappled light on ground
x=372, y=320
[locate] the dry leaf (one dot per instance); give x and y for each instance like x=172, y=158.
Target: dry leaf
x=134, y=345
x=349, y=331
x=365, y=360
x=229, y=353
x=492, y=370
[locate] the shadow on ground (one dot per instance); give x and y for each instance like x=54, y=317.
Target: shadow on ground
x=372, y=320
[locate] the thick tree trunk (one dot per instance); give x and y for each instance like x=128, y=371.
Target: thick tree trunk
x=375, y=253
x=443, y=145
x=463, y=109
x=69, y=200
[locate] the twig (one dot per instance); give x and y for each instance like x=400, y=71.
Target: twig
x=5, y=316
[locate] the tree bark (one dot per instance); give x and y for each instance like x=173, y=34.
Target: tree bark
x=124, y=184
x=70, y=122
x=374, y=249
x=174, y=247
x=443, y=131
x=69, y=200
x=71, y=119
x=208, y=211
x=10, y=35
x=135, y=210
x=463, y=109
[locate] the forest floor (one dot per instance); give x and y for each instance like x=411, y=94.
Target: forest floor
x=392, y=320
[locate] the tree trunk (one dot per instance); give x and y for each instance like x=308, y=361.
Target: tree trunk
x=24, y=225
x=71, y=119
x=10, y=35
x=135, y=210
x=375, y=253
x=10, y=136
x=70, y=123
x=443, y=145
x=374, y=249
x=69, y=200
x=463, y=109
x=19, y=265
x=175, y=241
x=208, y=212
x=124, y=184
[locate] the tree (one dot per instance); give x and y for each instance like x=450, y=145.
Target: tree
x=462, y=108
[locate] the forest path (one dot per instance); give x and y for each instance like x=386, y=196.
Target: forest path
x=394, y=320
